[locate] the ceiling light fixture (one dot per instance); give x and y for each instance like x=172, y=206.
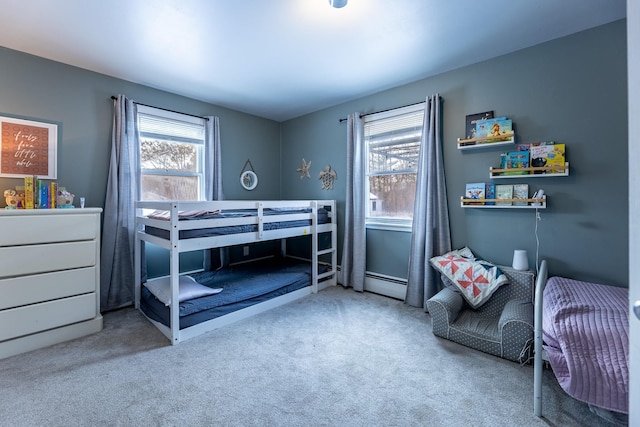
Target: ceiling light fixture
x=338, y=3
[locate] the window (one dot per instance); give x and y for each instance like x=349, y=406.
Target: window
x=392, y=140
x=171, y=155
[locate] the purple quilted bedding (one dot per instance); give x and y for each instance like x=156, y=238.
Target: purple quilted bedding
x=586, y=335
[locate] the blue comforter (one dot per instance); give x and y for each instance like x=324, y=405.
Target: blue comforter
x=245, y=282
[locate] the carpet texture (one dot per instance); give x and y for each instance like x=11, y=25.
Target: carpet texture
x=337, y=358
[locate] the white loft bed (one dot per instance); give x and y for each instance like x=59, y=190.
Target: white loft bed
x=191, y=226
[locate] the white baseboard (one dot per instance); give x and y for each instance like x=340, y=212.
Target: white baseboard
x=393, y=287
x=389, y=286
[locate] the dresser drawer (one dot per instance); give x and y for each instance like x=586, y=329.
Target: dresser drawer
x=16, y=322
x=22, y=260
x=24, y=290
x=34, y=229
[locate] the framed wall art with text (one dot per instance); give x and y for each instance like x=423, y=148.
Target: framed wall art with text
x=28, y=147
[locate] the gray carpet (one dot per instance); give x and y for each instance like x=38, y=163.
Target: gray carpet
x=335, y=358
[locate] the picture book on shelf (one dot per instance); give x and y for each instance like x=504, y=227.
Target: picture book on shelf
x=521, y=191
x=504, y=191
x=471, y=120
x=475, y=191
x=548, y=154
x=489, y=193
x=515, y=160
x=498, y=127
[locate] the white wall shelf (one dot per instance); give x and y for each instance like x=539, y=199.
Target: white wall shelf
x=545, y=172
x=480, y=203
x=486, y=142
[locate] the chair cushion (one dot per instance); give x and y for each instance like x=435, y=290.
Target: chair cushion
x=476, y=280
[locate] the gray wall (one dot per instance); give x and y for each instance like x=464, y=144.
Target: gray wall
x=79, y=101
x=572, y=90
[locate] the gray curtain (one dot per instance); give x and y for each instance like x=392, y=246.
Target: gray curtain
x=116, y=258
x=430, y=235
x=213, y=179
x=213, y=160
x=352, y=268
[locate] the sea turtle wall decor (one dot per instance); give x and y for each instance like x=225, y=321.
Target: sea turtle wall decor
x=327, y=177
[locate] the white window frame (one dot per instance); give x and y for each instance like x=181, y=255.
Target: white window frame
x=198, y=141
x=392, y=224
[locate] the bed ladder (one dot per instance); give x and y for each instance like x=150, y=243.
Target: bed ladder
x=317, y=253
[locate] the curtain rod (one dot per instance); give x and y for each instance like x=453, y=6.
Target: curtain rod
x=164, y=109
x=384, y=111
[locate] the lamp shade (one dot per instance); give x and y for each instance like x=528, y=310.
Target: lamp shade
x=520, y=260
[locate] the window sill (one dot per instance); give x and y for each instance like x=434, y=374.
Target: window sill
x=405, y=228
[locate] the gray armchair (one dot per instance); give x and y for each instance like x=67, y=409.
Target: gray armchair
x=503, y=326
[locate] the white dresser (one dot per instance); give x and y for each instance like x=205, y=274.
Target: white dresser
x=49, y=277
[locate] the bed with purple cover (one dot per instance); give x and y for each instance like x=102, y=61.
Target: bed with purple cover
x=582, y=330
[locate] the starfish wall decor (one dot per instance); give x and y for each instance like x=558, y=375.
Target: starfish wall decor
x=304, y=169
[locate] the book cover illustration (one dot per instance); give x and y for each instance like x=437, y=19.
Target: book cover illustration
x=521, y=191
x=471, y=120
x=489, y=193
x=517, y=160
x=548, y=154
x=475, y=191
x=504, y=191
x=498, y=127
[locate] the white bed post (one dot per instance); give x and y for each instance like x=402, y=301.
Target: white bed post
x=334, y=243
x=537, y=337
x=137, y=267
x=174, y=271
x=314, y=247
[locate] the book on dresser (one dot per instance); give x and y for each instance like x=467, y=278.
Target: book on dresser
x=521, y=191
x=475, y=191
x=504, y=191
x=29, y=196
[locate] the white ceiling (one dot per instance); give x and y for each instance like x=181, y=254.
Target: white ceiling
x=280, y=59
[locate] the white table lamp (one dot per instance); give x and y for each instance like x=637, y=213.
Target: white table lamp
x=520, y=260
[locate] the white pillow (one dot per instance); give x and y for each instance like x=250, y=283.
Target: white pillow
x=188, y=289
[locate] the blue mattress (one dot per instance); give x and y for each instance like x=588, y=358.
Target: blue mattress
x=243, y=286
x=323, y=218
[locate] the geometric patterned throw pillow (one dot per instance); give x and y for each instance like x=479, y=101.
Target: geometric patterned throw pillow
x=476, y=280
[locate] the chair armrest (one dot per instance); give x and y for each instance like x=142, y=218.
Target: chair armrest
x=516, y=310
x=516, y=330
x=444, y=308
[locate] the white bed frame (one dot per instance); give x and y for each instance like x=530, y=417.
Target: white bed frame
x=539, y=354
x=175, y=246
